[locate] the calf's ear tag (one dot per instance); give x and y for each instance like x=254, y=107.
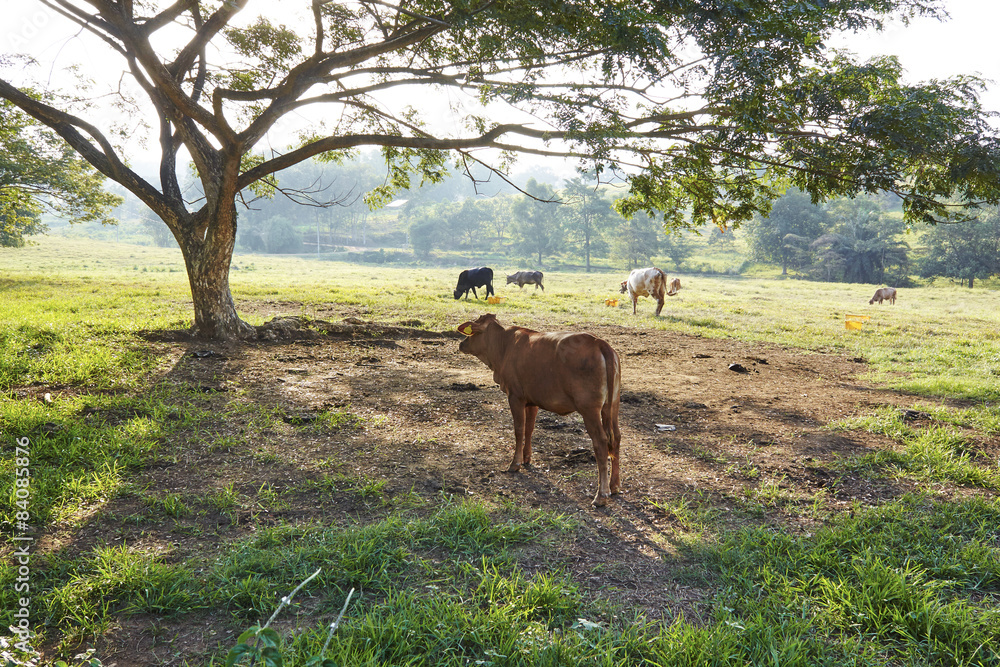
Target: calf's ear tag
x=466, y=329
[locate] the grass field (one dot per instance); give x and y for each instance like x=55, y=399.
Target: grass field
x=913, y=581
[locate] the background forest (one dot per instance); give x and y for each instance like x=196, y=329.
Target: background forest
x=319, y=209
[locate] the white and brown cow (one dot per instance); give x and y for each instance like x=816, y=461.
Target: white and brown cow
x=649, y=282
x=560, y=372
x=884, y=294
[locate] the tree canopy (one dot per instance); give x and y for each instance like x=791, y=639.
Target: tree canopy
x=707, y=109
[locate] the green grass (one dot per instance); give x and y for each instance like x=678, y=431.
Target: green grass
x=76, y=462
x=84, y=594
x=913, y=581
x=936, y=453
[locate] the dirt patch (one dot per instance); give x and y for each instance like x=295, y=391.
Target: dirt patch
x=429, y=420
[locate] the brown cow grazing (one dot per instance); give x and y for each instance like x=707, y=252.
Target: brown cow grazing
x=674, y=287
x=649, y=282
x=560, y=372
x=884, y=294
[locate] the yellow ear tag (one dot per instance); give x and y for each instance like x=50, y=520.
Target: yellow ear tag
x=467, y=329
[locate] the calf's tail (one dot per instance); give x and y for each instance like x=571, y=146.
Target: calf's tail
x=609, y=411
x=661, y=284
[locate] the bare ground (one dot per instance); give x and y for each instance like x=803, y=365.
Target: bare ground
x=432, y=422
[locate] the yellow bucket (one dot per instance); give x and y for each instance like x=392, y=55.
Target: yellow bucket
x=853, y=322
x=611, y=303
x=493, y=299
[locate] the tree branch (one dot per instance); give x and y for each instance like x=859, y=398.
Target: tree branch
x=167, y=16
x=215, y=23
x=104, y=159
x=328, y=144
x=89, y=22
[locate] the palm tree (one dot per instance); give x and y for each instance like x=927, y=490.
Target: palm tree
x=864, y=247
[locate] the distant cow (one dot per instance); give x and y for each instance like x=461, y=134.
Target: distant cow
x=560, y=372
x=470, y=279
x=884, y=294
x=523, y=278
x=649, y=282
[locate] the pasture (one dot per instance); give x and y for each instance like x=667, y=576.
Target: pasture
x=835, y=504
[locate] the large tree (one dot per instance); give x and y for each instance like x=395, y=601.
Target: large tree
x=708, y=108
x=537, y=228
x=636, y=240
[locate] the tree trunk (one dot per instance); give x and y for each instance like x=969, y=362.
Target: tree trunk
x=207, y=261
x=970, y=282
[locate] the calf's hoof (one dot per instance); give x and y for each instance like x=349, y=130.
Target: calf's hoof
x=600, y=501
x=514, y=467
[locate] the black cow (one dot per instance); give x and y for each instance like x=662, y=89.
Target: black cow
x=470, y=279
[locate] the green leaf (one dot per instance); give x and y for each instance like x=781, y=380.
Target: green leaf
x=269, y=637
x=238, y=652
x=272, y=656
x=248, y=634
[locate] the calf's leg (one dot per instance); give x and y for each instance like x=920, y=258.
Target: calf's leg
x=592, y=420
x=530, y=414
x=517, y=412
x=614, y=452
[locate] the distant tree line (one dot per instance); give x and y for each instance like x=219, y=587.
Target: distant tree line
x=864, y=240
x=575, y=221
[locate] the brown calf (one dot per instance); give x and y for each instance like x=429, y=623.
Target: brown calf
x=884, y=294
x=560, y=372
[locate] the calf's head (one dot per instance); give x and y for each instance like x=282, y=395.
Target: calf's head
x=475, y=342
x=511, y=279
x=624, y=287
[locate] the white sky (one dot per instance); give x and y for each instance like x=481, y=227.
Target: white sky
x=927, y=48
